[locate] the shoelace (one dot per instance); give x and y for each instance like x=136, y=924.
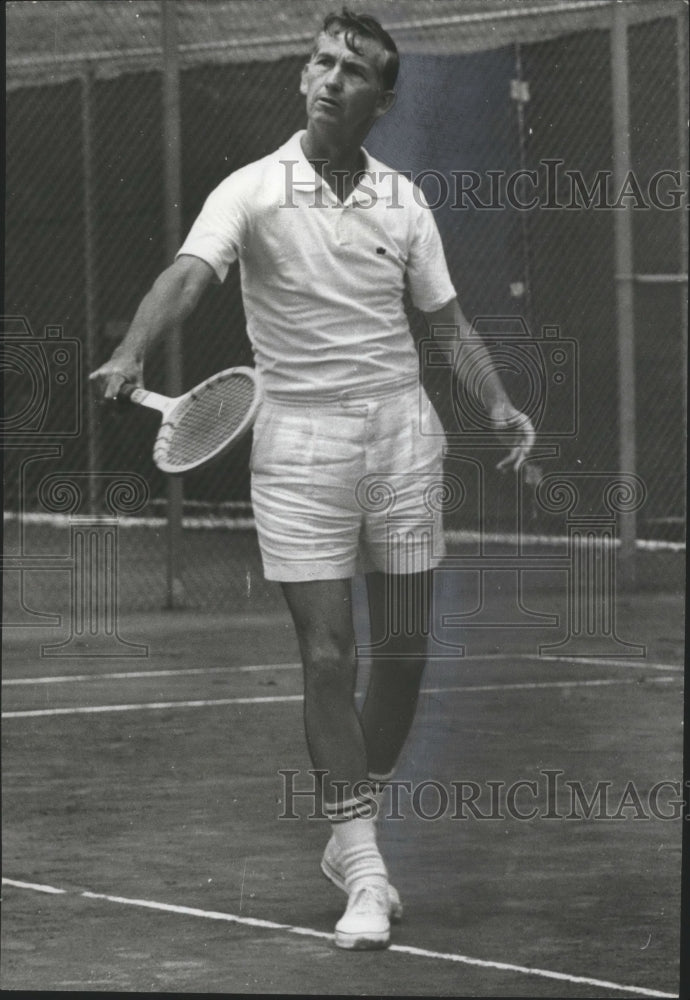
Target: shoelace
x=361, y=904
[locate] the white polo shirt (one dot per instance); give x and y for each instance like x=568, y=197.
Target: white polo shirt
x=322, y=281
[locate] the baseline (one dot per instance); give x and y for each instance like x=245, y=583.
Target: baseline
x=234, y=918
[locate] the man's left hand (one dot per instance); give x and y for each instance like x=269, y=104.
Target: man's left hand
x=515, y=430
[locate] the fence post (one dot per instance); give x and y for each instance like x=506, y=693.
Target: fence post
x=682, y=59
x=173, y=229
x=89, y=277
x=625, y=302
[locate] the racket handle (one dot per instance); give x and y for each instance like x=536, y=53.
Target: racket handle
x=131, y=393
x=124, y=393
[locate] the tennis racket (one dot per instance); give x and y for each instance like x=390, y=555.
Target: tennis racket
x=203, y=423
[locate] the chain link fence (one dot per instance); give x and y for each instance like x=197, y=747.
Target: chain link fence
x=506, y=118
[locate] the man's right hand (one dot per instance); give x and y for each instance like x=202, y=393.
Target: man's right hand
x=115, y=372
x=171, y=299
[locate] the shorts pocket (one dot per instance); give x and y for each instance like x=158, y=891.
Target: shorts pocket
x=283, y=440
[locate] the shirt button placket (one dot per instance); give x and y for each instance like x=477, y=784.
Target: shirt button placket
x=341, y=225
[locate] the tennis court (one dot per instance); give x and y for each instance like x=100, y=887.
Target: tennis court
x=155, y=838
x=146, y=841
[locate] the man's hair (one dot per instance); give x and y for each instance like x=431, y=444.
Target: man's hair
x=354, y=26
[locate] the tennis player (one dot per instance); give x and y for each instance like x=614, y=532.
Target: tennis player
x=327, y=238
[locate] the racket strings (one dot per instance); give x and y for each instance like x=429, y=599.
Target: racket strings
x=204, y=422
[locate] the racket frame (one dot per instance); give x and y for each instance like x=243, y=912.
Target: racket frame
x=169, y=406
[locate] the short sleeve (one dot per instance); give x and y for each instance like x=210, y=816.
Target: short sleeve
x=427, y=270
x=218, y=231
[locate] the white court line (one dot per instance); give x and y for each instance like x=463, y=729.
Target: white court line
x=636, y=664
x=143, y=674
x=35, y=886
x=96, y=709
x=529, y=685
x=191, y=911
x=266, y=699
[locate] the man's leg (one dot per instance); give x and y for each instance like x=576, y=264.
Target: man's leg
x=322, y=613
x=400, y=615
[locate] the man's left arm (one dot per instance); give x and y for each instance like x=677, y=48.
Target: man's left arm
x=519, y=432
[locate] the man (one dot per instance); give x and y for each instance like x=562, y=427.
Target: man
x=326, y=238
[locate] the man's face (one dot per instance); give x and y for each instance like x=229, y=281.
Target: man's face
x=344, y=88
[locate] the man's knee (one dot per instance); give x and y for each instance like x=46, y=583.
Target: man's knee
x=328, y=659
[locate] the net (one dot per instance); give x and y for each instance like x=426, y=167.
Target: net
x=221, y=566
x=207, y=421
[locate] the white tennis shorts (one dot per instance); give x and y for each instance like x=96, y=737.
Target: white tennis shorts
x=348, y=485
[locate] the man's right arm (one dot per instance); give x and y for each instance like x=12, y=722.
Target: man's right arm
x=172, y=298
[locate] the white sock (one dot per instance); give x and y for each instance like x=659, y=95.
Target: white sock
x=353, y=809
x=358, y=855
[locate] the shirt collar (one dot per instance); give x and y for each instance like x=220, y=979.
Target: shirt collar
x=305, y=178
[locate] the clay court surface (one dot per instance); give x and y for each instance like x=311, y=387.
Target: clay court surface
x=144, y=848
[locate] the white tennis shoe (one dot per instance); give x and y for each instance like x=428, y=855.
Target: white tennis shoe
x=365, y=925
x=331, y=868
